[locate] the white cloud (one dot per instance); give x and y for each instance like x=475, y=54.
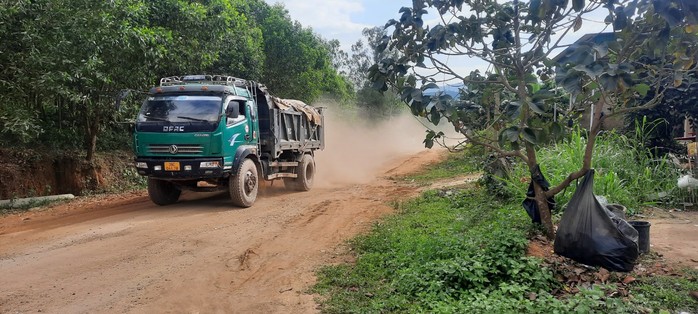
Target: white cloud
x=326, y=16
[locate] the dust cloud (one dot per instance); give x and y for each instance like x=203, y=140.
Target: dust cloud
x=356, y=150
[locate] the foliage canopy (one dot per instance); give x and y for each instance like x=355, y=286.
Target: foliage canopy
x=521, y=101
x=62, y=62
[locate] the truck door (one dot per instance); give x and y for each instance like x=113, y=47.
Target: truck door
x=236, y=125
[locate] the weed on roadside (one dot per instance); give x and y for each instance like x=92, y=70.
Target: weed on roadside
x=11, y=208
x=462, y=162
x=668, y=293
x=459, y=252
x=626, y=172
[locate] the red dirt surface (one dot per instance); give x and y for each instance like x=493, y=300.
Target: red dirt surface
x=674, y=234
x=122, y=254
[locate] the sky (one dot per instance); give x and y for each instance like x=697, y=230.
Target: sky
x=342, y=19
x=345, y=19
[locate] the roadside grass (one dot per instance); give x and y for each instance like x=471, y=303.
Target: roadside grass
x=462, y=162
x=661, y=293
x=451, y=252
x=10, y=208
x=626, y=173
x=464, y=251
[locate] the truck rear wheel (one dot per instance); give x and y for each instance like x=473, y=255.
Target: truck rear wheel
x=244, y=185
x=163, y=192
x=306, y=175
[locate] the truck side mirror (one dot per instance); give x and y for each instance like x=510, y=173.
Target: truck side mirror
x=233, y=110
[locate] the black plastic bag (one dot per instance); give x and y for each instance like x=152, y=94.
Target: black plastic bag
x=588, y=235
x=530, y=202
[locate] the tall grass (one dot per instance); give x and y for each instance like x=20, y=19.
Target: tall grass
x=626, y=172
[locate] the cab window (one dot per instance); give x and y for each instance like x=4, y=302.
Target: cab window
x=235, y=105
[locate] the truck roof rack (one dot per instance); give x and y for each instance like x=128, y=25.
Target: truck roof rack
x=204, y=79
x=251, y=86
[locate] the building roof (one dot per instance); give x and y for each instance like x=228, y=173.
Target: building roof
x=597, y=38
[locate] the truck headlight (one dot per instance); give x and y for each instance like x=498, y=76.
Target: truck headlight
x=142, y=165
x=157, y=168
x=210, y=164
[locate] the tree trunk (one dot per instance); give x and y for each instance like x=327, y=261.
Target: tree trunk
x=497, y=104
x=92, y=128
x=546, y=217
x=540, y=195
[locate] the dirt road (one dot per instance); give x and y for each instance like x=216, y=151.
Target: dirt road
x=123, y=254
x=674, y=234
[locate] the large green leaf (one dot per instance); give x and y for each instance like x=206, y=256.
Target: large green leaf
x=511, y=134
x=434, y=116
x=529, y=135
x=429, y=86
x=557, y=130
x=593, y=69
x=572, y=82
x=609, y=82
x=536, y=107
x=513, y=110
x=642, y=89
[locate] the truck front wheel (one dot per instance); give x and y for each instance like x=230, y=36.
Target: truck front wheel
x=163, y=192
x=244, y=185
x=306, y=174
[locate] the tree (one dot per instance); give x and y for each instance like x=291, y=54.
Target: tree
x=339, y=57
x=364, y=53
x=73, y=55
x=69, y=58
x=298, y=62
x=666, y=121
x=517, y=39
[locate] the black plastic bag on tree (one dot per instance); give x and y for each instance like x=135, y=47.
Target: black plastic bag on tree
x=588, y=235
x=530, y=202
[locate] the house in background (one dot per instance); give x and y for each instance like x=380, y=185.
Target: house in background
x=568, y=54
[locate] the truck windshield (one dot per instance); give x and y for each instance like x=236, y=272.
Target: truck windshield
x=181, y=109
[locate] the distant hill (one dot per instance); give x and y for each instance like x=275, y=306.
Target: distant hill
x=451, y=90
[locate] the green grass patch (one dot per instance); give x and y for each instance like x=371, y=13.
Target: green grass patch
x=457, y=163
x=668, y=293
x=455, y=252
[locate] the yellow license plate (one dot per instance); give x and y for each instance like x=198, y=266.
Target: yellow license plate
x=171, y=166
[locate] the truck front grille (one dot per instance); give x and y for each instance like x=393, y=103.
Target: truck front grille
x=175, y=149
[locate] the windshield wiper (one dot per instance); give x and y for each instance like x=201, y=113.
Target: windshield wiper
x=192, y=118
x=157, y=119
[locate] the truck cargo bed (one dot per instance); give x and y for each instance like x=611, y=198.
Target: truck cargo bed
x=289, y=128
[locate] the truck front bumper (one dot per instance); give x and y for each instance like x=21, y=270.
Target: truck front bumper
x=182, y=169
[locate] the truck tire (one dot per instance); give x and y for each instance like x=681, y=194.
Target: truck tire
x=244, y=185
x=163, y=192
x=306, y=175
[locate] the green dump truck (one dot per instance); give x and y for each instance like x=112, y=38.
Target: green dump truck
x=209, y=133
